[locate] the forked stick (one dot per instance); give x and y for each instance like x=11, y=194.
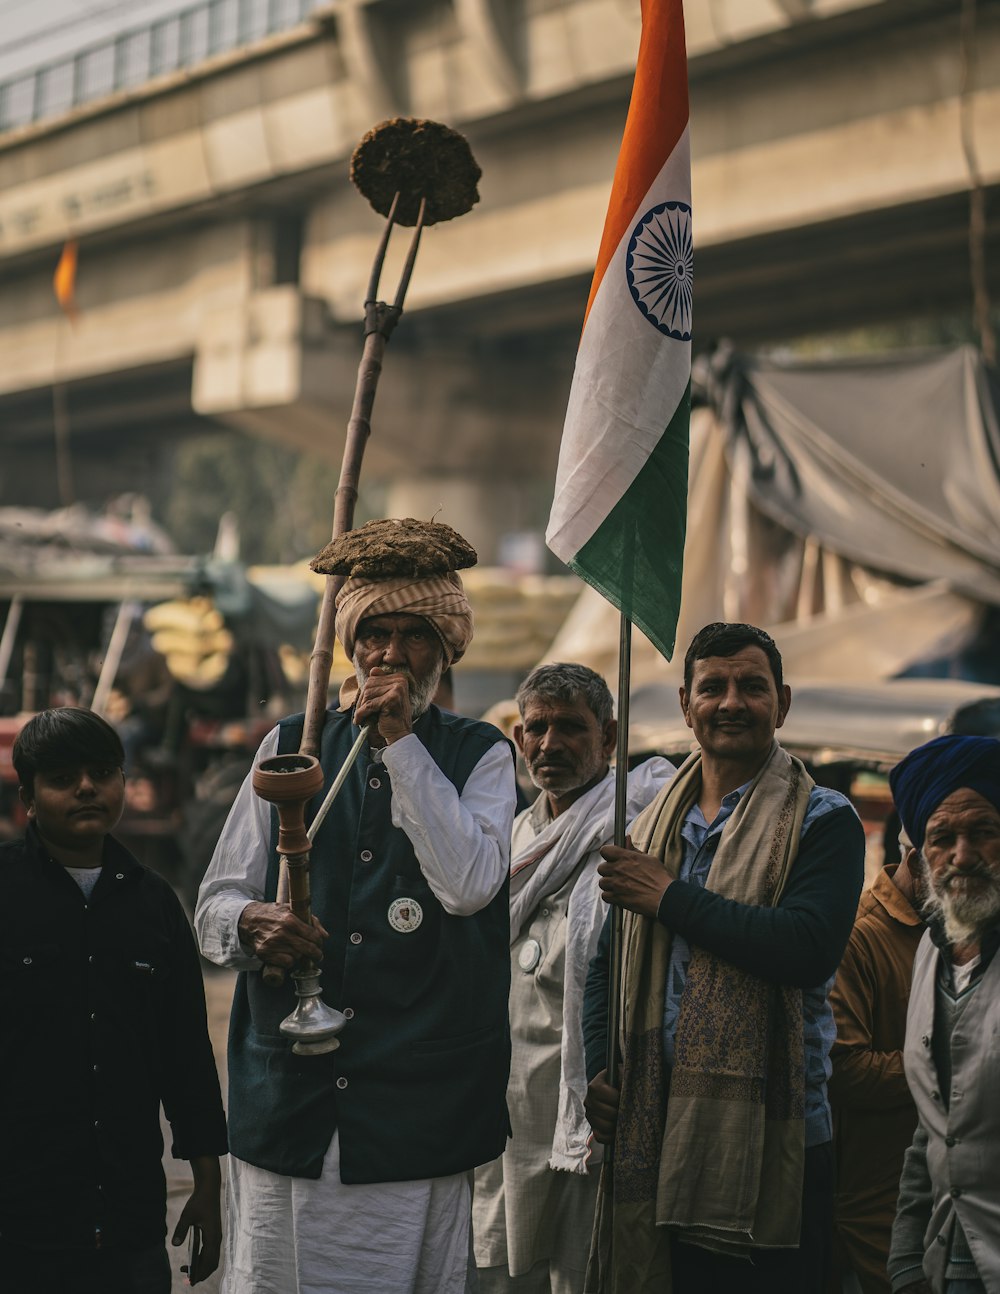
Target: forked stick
x=415, y=173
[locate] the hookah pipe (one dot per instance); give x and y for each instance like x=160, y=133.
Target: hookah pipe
x=415, y=173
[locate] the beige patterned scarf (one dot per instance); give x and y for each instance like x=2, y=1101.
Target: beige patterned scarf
x=720, y=1164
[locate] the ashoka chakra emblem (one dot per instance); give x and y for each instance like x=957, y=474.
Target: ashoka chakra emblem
x=659, y=266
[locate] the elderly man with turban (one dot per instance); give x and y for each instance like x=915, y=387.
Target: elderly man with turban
x=946, y=1237
x=351, y=1171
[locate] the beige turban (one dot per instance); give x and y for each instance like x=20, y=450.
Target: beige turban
x=440, y=599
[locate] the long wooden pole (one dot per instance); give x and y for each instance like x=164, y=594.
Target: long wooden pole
x=128, y=612
x=60, y=421
x=621, y=805
x=380, y=320
x=7, y=639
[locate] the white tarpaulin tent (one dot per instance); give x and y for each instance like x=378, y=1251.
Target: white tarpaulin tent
x=852, y=509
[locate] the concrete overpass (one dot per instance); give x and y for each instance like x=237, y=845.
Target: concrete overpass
x=224, y=252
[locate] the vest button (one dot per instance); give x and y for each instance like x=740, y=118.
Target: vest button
x=935, y=1096
x=341, y=1083
x=366, y=855
x=355, y=938
x=956, y=1192
x=950, y=1141
x=375, y=783
x=348, y=1013
x=926, y=1040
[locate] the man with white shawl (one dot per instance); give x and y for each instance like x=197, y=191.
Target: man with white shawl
x=534, y=1207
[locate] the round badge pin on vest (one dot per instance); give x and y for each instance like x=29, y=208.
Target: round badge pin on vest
x=405, y=915
x=529, y=956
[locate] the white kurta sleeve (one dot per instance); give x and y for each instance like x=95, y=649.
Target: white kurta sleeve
x=461, y=842
x=237, y=873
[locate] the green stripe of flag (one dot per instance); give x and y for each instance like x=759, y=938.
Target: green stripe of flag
x=635, y=557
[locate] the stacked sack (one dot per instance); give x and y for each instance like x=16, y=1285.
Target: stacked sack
x=517, y=616
x=192, y=638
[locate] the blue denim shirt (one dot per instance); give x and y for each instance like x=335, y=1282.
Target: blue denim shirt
x=701, y=839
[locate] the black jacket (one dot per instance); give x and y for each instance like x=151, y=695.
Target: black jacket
x=417, y=1086
x=102, y=1019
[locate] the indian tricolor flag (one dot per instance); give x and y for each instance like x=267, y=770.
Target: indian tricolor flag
x=620, y=507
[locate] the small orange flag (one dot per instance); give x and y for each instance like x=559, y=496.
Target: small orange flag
x=64, y=279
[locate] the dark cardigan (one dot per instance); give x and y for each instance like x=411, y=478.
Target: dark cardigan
x=417, y=1086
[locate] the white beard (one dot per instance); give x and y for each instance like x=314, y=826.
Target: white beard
x=421, y=691
x=965, y=914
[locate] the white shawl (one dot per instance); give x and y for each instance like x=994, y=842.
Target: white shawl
x=543, y=867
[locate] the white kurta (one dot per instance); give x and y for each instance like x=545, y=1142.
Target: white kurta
x=534, y=1206
x=290, y=1235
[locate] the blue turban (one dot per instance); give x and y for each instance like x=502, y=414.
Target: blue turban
x=929, y=774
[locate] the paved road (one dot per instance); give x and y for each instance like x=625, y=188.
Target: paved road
x=219, y=986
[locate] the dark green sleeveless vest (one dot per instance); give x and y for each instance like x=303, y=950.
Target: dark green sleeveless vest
x=417, y=1086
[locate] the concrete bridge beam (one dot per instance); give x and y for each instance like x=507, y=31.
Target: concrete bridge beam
x=221, y=237
x=275, y=365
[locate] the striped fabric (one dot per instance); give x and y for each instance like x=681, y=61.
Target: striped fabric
x=440, y=599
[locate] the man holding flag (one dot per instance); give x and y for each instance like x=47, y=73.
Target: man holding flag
x=740, y=896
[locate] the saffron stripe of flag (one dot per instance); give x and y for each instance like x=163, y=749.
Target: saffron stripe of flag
x=620, y=507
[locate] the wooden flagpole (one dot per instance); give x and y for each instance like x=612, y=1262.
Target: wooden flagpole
x=621, y=803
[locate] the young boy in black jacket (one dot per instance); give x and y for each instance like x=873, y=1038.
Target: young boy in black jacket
x=102, y=1019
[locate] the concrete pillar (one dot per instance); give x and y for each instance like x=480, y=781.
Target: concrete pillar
x=483, y=509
